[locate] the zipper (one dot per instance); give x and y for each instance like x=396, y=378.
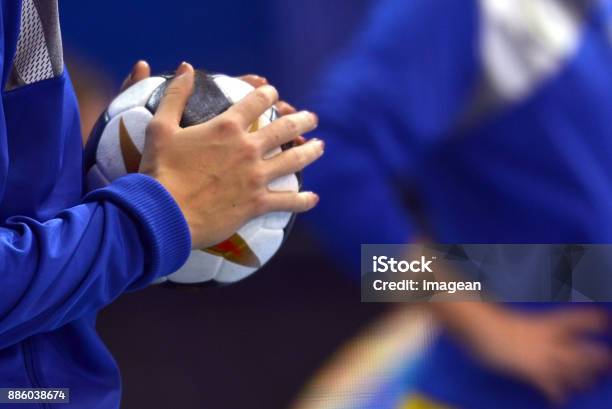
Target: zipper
x=28, y=360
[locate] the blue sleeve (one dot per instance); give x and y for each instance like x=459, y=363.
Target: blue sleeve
x=121, y=238
x=384, y=103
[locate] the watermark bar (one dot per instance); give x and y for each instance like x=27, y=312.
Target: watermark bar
x=486, y=272
x=34, y=395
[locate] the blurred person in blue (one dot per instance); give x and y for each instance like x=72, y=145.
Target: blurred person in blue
x=64, y=254
x=479, y=121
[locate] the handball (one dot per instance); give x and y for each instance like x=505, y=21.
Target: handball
x=115, y=147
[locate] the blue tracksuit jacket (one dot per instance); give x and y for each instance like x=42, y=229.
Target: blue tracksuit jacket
x=64, y=256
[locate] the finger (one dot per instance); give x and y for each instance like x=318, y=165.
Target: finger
x=580, y=364
x=294, y=159
x=594, y=359
x=573, y=372
x=251, y=107
x=577, y=381
x=140, y=71
x=579, y=321
x=300, y=140
x=254, y=80
x=285, y=129
x=175, y=97
x=290, y=202
x=284, y=108
x=552, y=389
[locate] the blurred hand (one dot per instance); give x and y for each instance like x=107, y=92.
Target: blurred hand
x=550, y=350
x=215, y=170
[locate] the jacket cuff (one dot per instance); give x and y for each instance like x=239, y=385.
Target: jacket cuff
x=160, y=218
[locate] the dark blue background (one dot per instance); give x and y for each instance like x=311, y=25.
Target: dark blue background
x=287, y=41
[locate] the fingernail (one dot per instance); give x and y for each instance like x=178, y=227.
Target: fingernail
x=270, y=90
x=182, y=69
x=310, y=116
x=135, y=67
x=315, y=118
x=320, y=142
x=316, y=198
x=258, y=78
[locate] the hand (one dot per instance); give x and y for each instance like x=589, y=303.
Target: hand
x=550, y=350
x=141, y=70
x=216, y=171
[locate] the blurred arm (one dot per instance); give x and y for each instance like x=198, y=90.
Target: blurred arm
x=383, y=106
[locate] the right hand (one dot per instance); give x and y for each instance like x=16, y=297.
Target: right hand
x=550, y=350
x=216, y=171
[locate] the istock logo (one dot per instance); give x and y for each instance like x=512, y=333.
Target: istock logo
x=383, y=264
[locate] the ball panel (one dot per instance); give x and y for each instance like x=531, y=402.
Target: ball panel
x=265, y=243
x=95, y=178
x=233, y=88
x=200, y=267
x=277, y=220
x=89, y=153
x=288, y=183
x=135, y=96
x=280, y=220
x=251, y=228
x=206, y=102
x=230, y=273
x=160, y=280
x=122, y=143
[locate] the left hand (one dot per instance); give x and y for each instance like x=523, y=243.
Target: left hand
x=142, y=70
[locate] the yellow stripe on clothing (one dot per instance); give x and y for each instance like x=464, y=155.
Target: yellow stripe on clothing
x=421, y=402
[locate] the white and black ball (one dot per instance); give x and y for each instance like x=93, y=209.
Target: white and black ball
x=115, y=147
